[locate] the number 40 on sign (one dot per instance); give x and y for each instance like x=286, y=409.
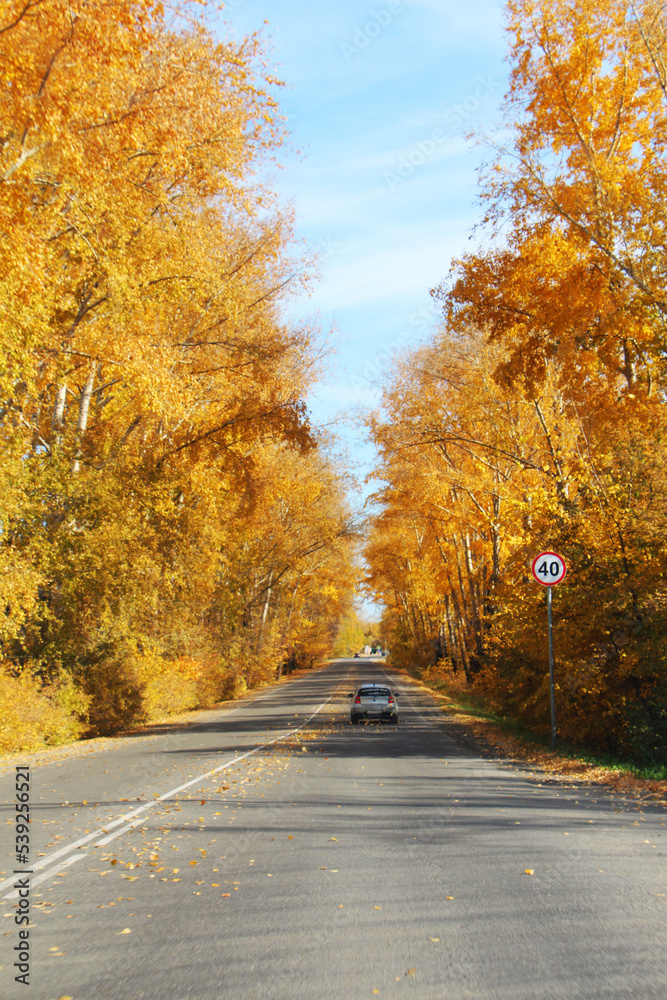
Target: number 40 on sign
x=549, y=568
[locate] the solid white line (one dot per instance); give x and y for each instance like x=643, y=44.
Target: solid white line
x=126, y=817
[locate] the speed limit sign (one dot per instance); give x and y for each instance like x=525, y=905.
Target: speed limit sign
x=549, y=568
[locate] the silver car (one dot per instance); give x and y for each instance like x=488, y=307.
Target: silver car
x=374, y=701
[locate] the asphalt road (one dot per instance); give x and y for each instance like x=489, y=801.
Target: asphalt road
x=337, y=862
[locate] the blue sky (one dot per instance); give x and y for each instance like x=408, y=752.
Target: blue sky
x=379, y=98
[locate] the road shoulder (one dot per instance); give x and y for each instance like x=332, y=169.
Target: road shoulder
x=490, y=740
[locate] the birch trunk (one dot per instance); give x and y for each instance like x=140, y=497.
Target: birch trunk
x=58, y=419
x=84, y=407
x=265, y=612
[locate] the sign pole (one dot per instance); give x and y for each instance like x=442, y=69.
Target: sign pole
x=548, y=568
x=552, y=695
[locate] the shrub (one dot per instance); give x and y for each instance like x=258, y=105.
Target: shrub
x=116, y=695
x=33, y=716
x=167, y=686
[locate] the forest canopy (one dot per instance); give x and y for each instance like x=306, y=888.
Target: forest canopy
x=534, y=419
x=173, y=529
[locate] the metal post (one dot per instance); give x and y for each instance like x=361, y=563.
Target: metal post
x=552, y=696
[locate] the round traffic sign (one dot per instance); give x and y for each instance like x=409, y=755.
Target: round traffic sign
x=549, y=568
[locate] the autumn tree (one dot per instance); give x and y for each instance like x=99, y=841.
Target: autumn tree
x=480, y=476
x=536, y=417
x=149, y=374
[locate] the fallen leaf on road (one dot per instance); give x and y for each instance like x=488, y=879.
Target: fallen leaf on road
x=435, y=939
x=126, y=931
x=335, y=838
x=377, y=907
x=290, y=837
x=410, y=972
x=450, y=897
x=530, y=871
x=225, y=895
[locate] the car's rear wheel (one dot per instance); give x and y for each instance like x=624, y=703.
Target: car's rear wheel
x=394, y=720
x=353, y=720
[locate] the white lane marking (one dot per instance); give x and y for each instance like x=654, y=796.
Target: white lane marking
x=127, y=817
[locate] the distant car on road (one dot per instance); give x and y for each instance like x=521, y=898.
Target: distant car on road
x=374, y=701
x=356, y=656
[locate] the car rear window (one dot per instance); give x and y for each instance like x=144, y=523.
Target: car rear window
x=374, y=690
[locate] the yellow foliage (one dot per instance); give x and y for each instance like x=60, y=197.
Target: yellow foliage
x=168, y=686
x=33, y=716
x=173, y=531
x=536, y=418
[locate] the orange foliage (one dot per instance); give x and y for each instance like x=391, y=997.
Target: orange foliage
x=536, y=417
x=156, y=445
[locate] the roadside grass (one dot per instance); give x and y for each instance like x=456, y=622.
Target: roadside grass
x=650, y=772
x=568, y=762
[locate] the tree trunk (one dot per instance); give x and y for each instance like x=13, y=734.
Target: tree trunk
x=84, y=407
x=58, y=419
x=265, y=612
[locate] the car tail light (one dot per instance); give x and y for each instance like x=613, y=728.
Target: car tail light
x=357, y=700
x=390, y=700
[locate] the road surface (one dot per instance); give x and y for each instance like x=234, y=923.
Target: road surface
x=271, y=851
